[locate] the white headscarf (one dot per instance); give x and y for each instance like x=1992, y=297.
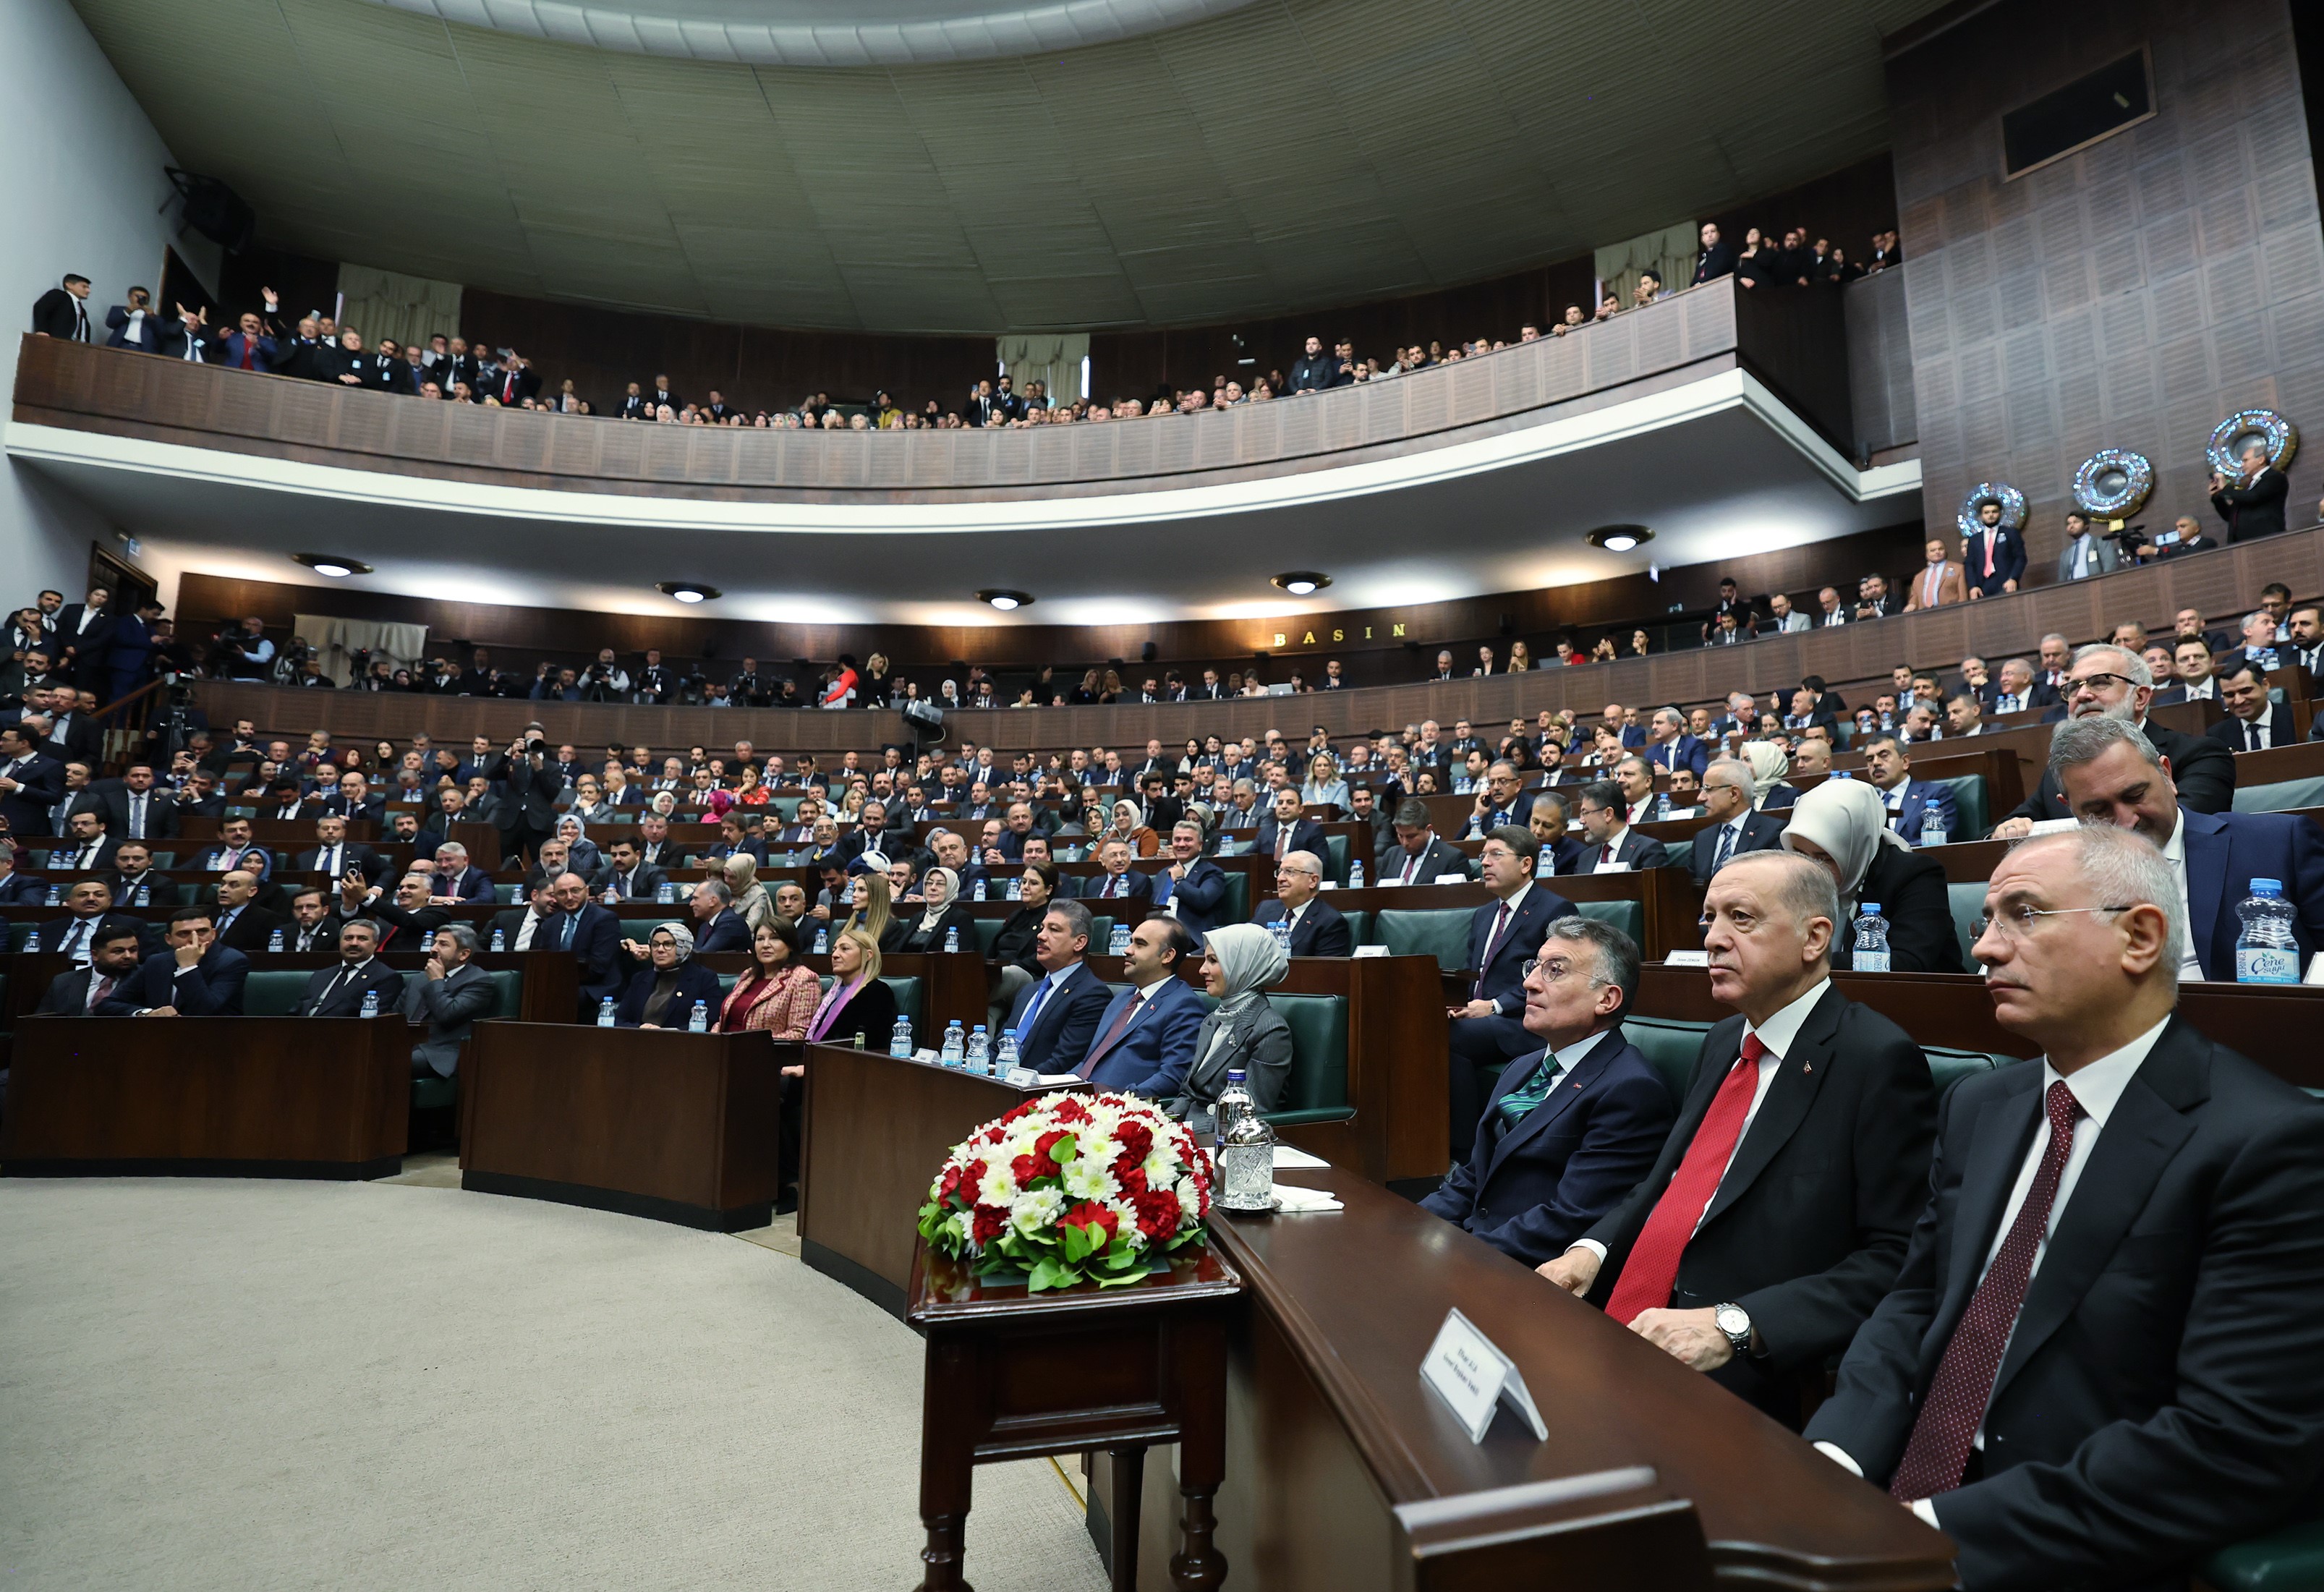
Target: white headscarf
x=936, y=908
x=1251, y=959
x=1768, y=766
x=1847, y=819
x=683, y=935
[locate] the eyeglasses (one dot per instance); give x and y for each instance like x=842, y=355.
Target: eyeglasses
x=2099, y=683
x=1553, y=968
x=2015, y=923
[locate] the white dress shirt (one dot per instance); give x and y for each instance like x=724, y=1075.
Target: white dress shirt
x=2174, y=853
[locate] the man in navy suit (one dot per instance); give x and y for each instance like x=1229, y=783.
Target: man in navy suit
x=81, y=991
x=1610, y=844
x=1890, y=772
x=455, y=879
x=717, y=925
x=19, y=889
x=196, y=977
x=31, y=783
x=592, y=932
x=1501, y=800
x=1056, y=1017
x=1284, y=830
x=2251, y=503
x=236, y=850
x=1120, y=881
x=1669, y=748
x=354, y=800
x=1317, y=927
x=2110, y=773
x=1145, y=1042
x=1192, y=888
x=85, y=633
x=339, y=992
x=1485, y=1032
x=1549, y=817
x=1736, y=825
x=1994, y=556
x=2255, y=723
x=1570, y=1129
x=1418, y=856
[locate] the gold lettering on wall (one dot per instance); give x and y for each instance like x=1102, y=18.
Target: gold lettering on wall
x=1394, y=631
x=1309, y=642
x=1339, y=635
x=1279, y=637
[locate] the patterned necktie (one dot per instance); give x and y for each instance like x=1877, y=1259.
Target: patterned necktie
x=1726, y=847
x=1519, y=1102
x=1949, y=1416
x=1651, y=1270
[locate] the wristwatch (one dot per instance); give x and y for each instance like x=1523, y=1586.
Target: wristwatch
x=1735, y=1322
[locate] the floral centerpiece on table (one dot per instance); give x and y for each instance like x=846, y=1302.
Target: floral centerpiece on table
x=1071, y=1188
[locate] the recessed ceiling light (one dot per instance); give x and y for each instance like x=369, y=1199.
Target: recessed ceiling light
x=1620, y=538
x=331, y=564
x=687, y=591
x=1005, y=601
x=1302, y=583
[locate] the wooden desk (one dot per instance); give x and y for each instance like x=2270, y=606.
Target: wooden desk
x=1012, y=1375
x=876, y=1133
x=681, y=1127
x=552, y=979
x=208, y=1096
x=1342, y=1468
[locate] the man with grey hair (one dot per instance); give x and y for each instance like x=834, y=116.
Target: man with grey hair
x=2251, y=503
x=1779, y=1210
x=1316, y=927
x=449, y=999
x=2017, y=689
x=2111, y=774
x=456, y=881
x=716, y=927
x=2095, y=1367
x=1736, y=826
x=2106, y=681
x=1571, y=1126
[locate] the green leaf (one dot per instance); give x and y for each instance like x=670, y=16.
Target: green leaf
x=1050, y=1274
x=1064, y=1150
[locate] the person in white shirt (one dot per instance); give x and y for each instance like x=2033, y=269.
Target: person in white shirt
x=2085, y=554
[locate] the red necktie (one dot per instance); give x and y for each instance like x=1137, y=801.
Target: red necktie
x=1652, y=1271
x=1606, y=855
x=249, y=351
x=1949, y=1416
x=1106, y=1041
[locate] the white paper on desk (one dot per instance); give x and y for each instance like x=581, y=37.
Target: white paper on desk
x=2315, y=969
x=1612, y=867
x=2053, y=825
x=1382, y=950
x=1288, y=1157
x=1451, y=879
x=1056, y=1079
x=1291, y=1197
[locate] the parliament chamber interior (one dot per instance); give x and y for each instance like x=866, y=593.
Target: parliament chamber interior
x=1610, y=880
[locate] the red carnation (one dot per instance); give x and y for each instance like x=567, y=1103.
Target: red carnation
x=1016, y=1113
x=1043, y=1144
x=990, y=1220
x=1157, y=1213
x=1026, y=1168
x=1089, y=1213
x=948, y=1185
x=1072, y=1110
x=1135, y=1138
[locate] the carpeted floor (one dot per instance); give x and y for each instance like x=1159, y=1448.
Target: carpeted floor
x=242, y=1384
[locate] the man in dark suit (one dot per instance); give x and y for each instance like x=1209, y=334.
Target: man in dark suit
x=18, y=889
x=1889, y=770
x=450, y=994
x=354, y=800
x=2255, y=723
x=1995, y=555
x=241, y=924
x=334, y=856
x=1736, y=825
x=1571, y=1129
x=135, y=882
x=30, y=782
x=2088, y=1371
x=717, y=926
x=236, y=850
x=1286, y=829
x=532, y=785
x=512, y=383
x=87, y=848
x=2112, y=774
x=63, y=311
x=113, y=956
x=1145, y=1039
x=88, y=912
x=591, y=932
x=1715, y=259
x=1669, y=748
x=1192, y=888
x=1778, y=1212
x=195, y=977
x=1485, y=1032
x=1418, y=857
x=339, y=992
x=133, y=808
x=626, y=876
x=1501, y=800
x=1056, y=1017
x=1119, y=881
x=2108, y=681
x=409, y=919
x=2251, y=503
x=457, y=880
x=1317, y=927
x=85, y=640
x=1549, y=816
x=1610, y=845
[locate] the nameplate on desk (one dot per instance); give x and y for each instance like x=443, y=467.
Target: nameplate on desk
x=1451, y=879
x=1612, y=867
x=1371, y=950
x=1473, y=1378
x=1022, y=1078
x=2315, y=969
x=1687, y=959
x=2055, y=826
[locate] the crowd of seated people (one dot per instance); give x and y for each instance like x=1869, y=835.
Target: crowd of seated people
x=315, y=346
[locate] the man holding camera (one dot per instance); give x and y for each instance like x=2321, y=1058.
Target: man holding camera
x=528, y=818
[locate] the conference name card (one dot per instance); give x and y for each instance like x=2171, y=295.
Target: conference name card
x=1686, y=959
x=1474, y=1378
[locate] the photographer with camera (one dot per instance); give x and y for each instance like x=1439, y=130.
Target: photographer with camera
x=244, y=652
x=605, y=680
x=531, y=783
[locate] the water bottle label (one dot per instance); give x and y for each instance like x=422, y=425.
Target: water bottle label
x=980, y=889
x=2267, y=964
x=1869, y=961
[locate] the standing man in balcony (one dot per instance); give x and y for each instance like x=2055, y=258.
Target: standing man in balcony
x=1941, y=581
x=1995, y=554
x=1715, y=259
x=63, y=311
x=1312, y=371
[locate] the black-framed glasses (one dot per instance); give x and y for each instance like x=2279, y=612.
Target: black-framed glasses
x=2015, y=923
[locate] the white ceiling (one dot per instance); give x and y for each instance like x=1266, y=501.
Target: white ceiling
x=1286, y=156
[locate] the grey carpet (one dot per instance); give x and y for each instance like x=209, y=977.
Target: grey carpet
x=255, y=1385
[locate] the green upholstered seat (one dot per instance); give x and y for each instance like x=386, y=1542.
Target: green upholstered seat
x=1670, y=1046
x=988, y=930
x=1335, y=858
x=2282, y=796
x=165, y=858
x=907, y=991
x=432, y=1093
x=1629, y=917
x=642, y=929
x=788, y=806
x=1237, y=903
x=506, y=895
x=1317, y=1090
x=1360, y=927
x=18, y=933
x=1970, y=803
x=508, y=992
x=1441, y=932
x=1947, y=1067
x=274, y=992
x=2288, y=1560
x=1967, y=903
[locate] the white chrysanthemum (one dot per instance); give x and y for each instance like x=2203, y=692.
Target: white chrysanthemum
x=1086, y=1179
x=963, y=1224
x=1036, y=1208
x=998, y=1187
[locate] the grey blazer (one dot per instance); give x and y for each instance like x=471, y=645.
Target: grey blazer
x=1259, y=1041
x=2106, y=552
x=449, y=1006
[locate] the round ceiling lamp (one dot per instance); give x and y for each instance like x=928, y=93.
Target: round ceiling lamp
x=1620, y=538
x=1006, y=600
x=1302, y=583
x=331, y=564
x=686, y=591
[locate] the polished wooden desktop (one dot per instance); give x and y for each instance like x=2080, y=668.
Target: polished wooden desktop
x=208, y=1096
x=681, y=1127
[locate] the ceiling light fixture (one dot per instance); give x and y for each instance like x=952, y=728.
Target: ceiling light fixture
x=331, y=564
x=687, y=591
x=1302, y=583
x=1620, y=538
x=1006, y=600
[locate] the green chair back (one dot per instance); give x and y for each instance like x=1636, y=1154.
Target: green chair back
x=165, y=858
x=508, y=991
x=1970, y=803
x=2290, y=1559
x=1316, y=1090
x=988, y=930
x=641, y=930
x=1238, y=901
x=1671, y=1047
x=1947, y=1067
x=1360, y=927
x=1967, y=904
x=1335, y=861
x=1441, y=932
x=508, y=895
x=274, y=992
x=1629, y=917
x=2282, y=796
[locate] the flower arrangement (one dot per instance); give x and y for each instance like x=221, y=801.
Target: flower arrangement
x=1071, y=1188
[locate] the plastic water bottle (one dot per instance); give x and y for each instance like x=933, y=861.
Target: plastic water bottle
x=274, y=941
x=500, y=939
x=371, y=1003
x=2268, y=662
x=1871, y=941
x=613, y=896
x=1933, y=825
x=951, y=939
x=606, y=1012
x=1246, y=1150
x=699, y=1020
x=145, y=896
x=32, y=942
x=900, y=1042
x=822, y=941
x=954, y=1046
x=1356, y=875
x=1117, y=943
x=978, y=896
x=2265, y=952
x=979, y=1054
x=1281, y=929
x=665, y=893
x=1016, y=890
x=1662, y=805
x=56, y=895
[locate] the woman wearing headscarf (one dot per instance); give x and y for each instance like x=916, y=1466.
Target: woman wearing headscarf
x=1242, y=1032
x=942, y=911
x=1843, y=824
x=664, y=803
x=740, y=871
x=581, y=856
x=857, y=1002
x=662, y=993
x=1129, y=825
x=1768, y=766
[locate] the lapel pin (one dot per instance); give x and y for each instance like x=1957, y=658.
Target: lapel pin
x=1806, y=1068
